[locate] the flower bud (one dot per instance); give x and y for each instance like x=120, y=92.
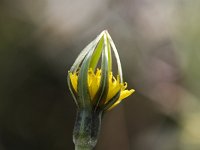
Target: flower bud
x=95, y=90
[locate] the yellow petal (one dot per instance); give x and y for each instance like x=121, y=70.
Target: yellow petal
x=114, y=87
x=93, y=82
x=123, y=95
x=74, y=78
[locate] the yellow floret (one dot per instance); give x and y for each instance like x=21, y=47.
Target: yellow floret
x=94, y=82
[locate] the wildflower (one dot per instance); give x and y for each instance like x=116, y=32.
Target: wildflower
x=93, y=85
x=95, y=90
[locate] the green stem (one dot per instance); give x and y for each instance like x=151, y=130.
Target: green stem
x=86, y=129
x=80, y=147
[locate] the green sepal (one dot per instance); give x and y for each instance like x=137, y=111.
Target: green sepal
x=96, y=55
x=73, y=92
x=101, y=95
x=82, y=56
x=116, y=56
x=85, y=51
x=109, y=55
x=84, y=99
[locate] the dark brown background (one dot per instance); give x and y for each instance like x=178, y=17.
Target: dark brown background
x=158, y=43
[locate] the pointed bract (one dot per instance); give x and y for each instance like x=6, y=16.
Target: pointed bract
x=97, y=88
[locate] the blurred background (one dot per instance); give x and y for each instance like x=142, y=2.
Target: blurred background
x=158, y=42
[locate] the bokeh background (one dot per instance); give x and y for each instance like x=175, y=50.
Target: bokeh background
x=158, y=42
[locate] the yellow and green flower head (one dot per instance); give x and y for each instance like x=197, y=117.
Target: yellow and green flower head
x=93, y=88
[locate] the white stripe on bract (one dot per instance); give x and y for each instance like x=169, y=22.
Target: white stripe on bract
x=85, y=51
x=116, y=56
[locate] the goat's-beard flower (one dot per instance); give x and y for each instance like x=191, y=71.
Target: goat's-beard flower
x=95, y=90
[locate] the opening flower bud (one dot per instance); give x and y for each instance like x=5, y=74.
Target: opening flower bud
x=97, y=88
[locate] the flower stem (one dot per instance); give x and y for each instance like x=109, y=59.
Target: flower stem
x=86, y=129
x=80, y=147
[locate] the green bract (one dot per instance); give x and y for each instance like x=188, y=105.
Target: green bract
x=89, y=58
